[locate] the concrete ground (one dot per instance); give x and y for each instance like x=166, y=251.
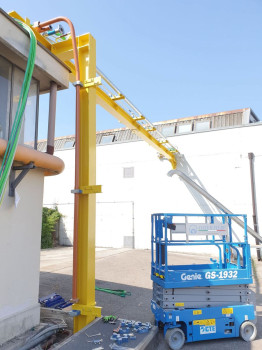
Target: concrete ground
x=130, y=270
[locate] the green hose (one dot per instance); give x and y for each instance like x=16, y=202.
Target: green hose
x=119, y=292
x=16, y=128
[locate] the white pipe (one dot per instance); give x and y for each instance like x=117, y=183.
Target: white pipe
x=213, y=200
x=51, y=119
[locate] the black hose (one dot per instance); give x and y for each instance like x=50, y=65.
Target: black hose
x=40, y=337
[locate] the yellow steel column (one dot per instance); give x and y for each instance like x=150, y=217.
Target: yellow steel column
x=87, y=200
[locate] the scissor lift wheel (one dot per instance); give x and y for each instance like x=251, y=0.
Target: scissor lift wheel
x=248, y=331
x=175, y=338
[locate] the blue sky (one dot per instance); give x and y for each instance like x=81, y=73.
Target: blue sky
x=171, y=58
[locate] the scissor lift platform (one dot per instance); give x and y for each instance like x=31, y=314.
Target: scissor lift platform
x=201, y=301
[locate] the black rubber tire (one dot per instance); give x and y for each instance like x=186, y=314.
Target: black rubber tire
x=175, y=338
x=248, y=331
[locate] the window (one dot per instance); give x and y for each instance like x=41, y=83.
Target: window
x=202, y=125
x=5, y=92
x=11, y=81
x=129, y=172
x=28, y=128
x=168, y=130
x=107, y=139
x=182, y=128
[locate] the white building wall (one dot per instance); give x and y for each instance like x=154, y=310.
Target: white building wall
x=20, y=236
x=217, y=159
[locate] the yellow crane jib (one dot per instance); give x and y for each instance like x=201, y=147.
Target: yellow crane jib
x=94, y=88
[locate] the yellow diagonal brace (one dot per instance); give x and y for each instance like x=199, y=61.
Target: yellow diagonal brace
x=120, y=114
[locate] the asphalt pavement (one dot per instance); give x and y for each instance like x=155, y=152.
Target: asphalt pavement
x=130, y=270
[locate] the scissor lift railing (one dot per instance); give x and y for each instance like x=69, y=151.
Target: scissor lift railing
x=217, y=232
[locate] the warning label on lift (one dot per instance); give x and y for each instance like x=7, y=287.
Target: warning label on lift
x=227, y=311
x=208, y=322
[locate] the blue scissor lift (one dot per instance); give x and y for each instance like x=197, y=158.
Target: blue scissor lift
x=201, y=301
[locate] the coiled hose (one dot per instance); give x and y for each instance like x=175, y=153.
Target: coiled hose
x=16, y=128
x=42, y=336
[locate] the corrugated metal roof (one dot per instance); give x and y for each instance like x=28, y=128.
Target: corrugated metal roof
x=169, y=128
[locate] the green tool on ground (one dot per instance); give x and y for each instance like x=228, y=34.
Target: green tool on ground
x=119, y=292
x=110, y=318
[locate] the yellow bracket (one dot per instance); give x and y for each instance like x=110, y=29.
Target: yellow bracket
x=88, y=189
x=91, y=189
x=92, y=82
x=86, y=310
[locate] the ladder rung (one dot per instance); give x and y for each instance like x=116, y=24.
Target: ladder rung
x=150, y=129
x=119, y=97
x=139, y=118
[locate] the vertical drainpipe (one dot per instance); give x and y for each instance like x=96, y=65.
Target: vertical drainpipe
x=51, y=119
x=133, y=224
x=254, y=201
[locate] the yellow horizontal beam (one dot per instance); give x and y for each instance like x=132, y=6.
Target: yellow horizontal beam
x=64, y=49
x=119, y=113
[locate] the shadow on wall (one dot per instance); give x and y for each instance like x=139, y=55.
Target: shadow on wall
x=63, y=240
